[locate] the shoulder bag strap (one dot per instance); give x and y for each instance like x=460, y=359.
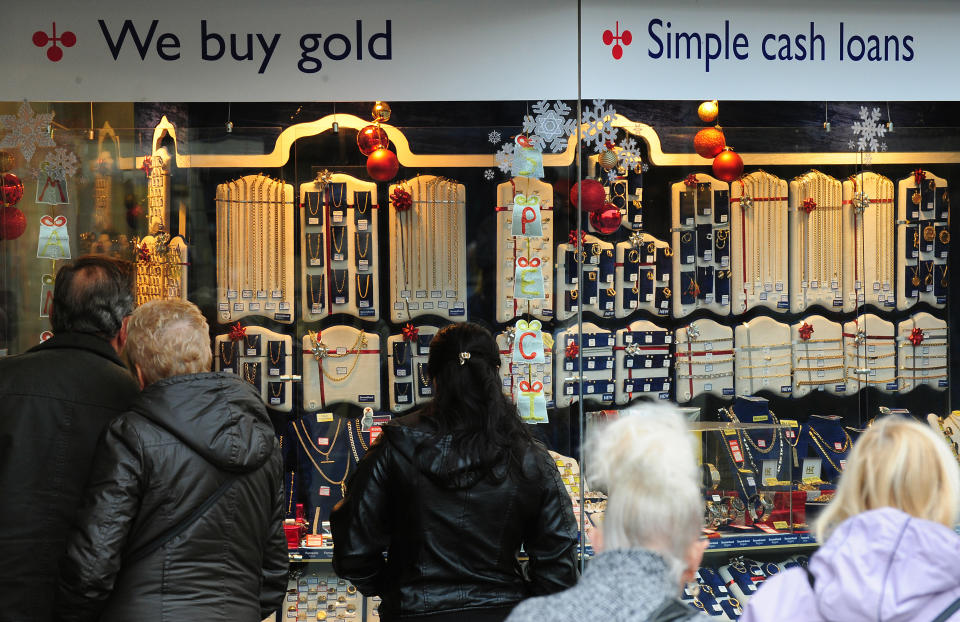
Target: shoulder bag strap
x=949, y=611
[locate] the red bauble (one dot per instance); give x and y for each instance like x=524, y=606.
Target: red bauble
x=728, y=166
x=134, y=213
x=12, y=223
x=709, y=142
x=383, y=165
x=12, y=189
x=371, y=138
x=593, y=195
x=607, y=220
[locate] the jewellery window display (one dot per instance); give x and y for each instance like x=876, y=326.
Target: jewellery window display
x=704, y=360
x=922, y=352
x=870, y=350
x=339, y=247
x=818, y=356
x=643, y=271
x=828, y=441
x=871, y=220
x=161, y=266
x=597, y=379
x=819, y=238
x=255, y=249
x=341, y=364
x=526, y=365
x=624, y=188
x=597, y=293
x=570, y=476
x=261, y=357
x=407, y=355
x=644, y=362
x=760, y=262
x=158, y=192
x=427, y=249
x=949, y=426
x=701, y=243
x=923, y=240
x=524, y=249
x=314, y=594
x=763, y=357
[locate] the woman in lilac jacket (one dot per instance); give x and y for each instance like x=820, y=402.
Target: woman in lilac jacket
x=889, y=552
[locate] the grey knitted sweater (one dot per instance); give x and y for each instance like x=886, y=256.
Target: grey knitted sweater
x=622, y=585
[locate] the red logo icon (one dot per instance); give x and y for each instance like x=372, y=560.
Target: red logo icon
x=625, y=37
x=54, y=52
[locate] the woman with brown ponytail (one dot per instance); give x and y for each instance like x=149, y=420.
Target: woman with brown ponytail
x=439, y=508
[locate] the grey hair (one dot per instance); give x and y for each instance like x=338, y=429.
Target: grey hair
x=645, y=462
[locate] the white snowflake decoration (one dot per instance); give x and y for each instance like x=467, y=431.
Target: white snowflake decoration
x=644, y=167
x=869, y=130
x=611, y=176
x=550, y=124
x=27, y=131
x=504, y=157
x=488, y=174
x=60, y=164
x=598, y=124
x=629, y=153
x=494, y=137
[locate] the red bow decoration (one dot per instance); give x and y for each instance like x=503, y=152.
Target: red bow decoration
x=147, y=163
x=237, y=332
x=50, y=221
x=530, y=387
x=916, y=336
x=575, y=240
x=609, y=144
x=919, y=176
x=809, y=205
x=571, y=350
x=691, y=180
x=524, y=141
x=410, y=332
x=805, y=331
x=402, y=201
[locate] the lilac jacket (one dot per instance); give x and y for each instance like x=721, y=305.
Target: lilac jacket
x=882, y=566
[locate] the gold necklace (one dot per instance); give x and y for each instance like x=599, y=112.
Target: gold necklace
x=314, y=293
x=274, y=360
x=250, y=372
x=313, y=209
x=278, y=391
x=224, y=348
x=424, y=378
x=405, y=350
x=366, y=289
x=366, y=204
x=816, y=436
x=357, y=347
x=362, y=254
x=338, y=245
x=343, y=480
x=356, y=426
x=310, y=238
x=333, y=194
x=290, y=502
x=336, y=434
x=342, y=284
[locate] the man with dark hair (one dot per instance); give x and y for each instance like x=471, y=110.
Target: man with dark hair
x=56, y=399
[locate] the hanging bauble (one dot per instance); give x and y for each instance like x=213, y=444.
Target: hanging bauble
x=593, y=195
x=371, y=138
x=11, y=189
x=608, y=157
x=709, y=142
x=12, y=223
x=383, y=165
x=381, y=112
x=708, y=111
x=728, y=165
x=6, y=161
x=607, y=220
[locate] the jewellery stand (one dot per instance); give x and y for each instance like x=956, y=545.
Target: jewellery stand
x=158, y=192
x=428, y=251
x=763, y=357
x=598, y=381
x=871, y=264
x=704, y=360
x=830, y=442
x=642, y=267
x=923, y=241
x=161, y=273
x=510, y=247
x=695, y=229
x=324, y=462
x=624, y=190
x=818, y=360
x=870, y=351
x=513, y=373
x=357, y=211
x=276, y=389
x=594, y=292
x=405, y=392
x=760, y=232
x=643, y=362
x=923, y=362
x=351, y=368
x=819, y=238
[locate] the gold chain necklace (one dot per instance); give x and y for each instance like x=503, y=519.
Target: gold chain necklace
x=274, y=359
x=338, y=245
x=336, y=434
x=357, y=347
x=313, y=209
x=343, y=283
x=224, y=348
x=366, y=289
x=343, y=480
x=310, y=238
x=366, y=204
x=846, y=442
x=362, y=254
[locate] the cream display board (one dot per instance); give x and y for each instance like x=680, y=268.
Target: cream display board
x=922, y=352
x=760, y=234
x=644, y=264
x=624, y=187
x=923, y=240
x=704, y=360
x=341, y=364
x=409, y=378
x=870, y=220
x=870, y=353
x=643, y=362
x=701, y=243
x=427, y=249
x=596, y=347
x=763, y=357
x=524, y=249
x=339, y=247
x=597, y=293
x=818, y=356
x=526, y=368
x=255, y=249
x=264, y=359
x=158, y=192
x=161, y=266
x=818, y=240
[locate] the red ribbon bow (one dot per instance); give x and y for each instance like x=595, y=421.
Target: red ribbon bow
x=808, y=205
x=402, y=201
x=571, y=351
x=410, y=332
x=147, y=163
x=524, y=142
x=142, y=250
x=919, y=176
x=528, y=387
x=916, y=336
x=576, y=240
x=50, y=221
x=609, y=144
x=691, y=180
x=805, y=331
x=237, y=332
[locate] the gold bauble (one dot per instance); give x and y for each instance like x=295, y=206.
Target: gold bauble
x=608, y=159
x=708, y=111
x=381, y=112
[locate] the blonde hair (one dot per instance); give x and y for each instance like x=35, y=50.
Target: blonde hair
x=167, y=338
x=645, y=462
x=896, y=463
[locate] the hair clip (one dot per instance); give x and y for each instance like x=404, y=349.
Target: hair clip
x=463, y=357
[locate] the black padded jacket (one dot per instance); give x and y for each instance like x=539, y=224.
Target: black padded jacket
x=157, y=463
x=451, y=537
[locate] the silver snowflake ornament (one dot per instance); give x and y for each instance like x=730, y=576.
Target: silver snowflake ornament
x=488, y=174
x=629, y=153
x=27, y=131
x=611, y=176
x=549, y=125
x=494, y=137
x=598, y=124
x=504, y=157
x=869, y=130
x=60, y=164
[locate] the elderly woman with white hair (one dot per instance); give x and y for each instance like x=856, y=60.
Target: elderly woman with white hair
x=650, y=536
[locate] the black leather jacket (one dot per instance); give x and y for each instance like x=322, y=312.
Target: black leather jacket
x=451, y=539
x=154, y=466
